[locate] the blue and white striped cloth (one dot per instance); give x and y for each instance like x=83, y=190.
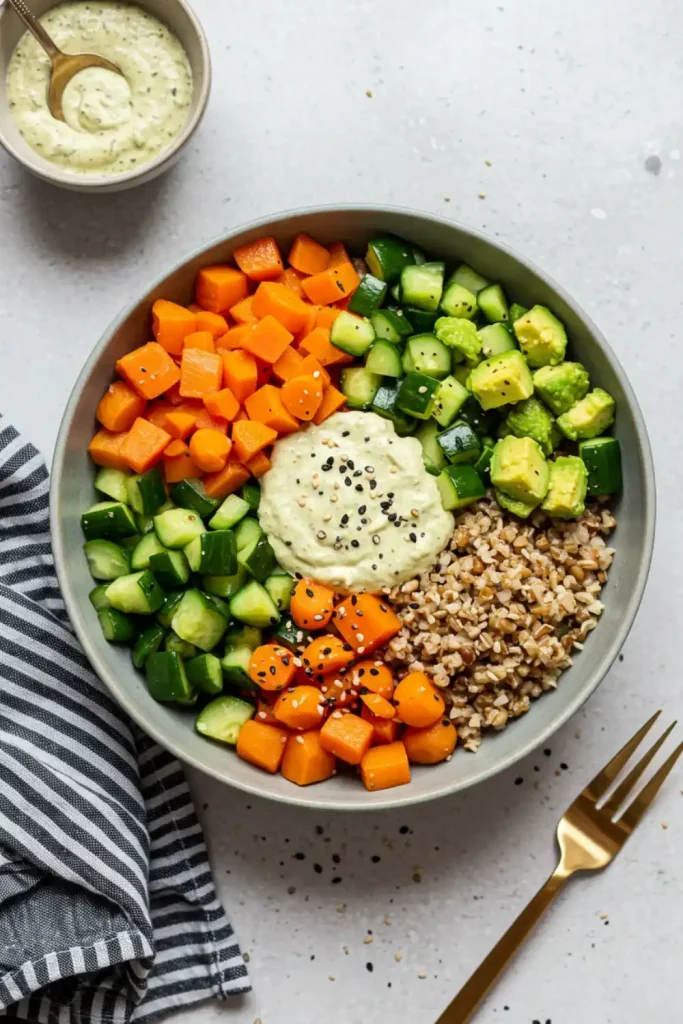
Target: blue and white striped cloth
x=108, y=911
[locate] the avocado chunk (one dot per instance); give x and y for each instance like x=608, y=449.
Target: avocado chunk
x=589, y=417
x=541, y=336
x=518, y=508
x=461, y=336
x=567, y=491
x=519, y=469
x=561, y=386
x=530, y=418
x=502, y=379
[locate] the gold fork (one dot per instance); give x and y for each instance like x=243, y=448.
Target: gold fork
x=589, y=838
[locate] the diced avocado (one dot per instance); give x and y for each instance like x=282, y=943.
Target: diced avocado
x=502, y=379
x=519, y=469
x=460, y=335
x=561, y=386
x=517, y=311
x=530, y=418
x=518, y=508
x=541, y=336
x=567, y=491
x=589, y=417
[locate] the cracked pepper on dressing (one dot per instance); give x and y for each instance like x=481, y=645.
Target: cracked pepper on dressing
x=113, y=123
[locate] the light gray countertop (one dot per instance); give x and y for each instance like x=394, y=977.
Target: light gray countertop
x=555, y=127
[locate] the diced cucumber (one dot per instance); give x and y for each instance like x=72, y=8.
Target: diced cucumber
x=424, y=353
x=495, y=338
x=482, y=422
x=468, y=278
x=177, y=527
x=352, y=334
x=198, y=621
x=205, y=673
x=166, y=677
x=130, y=543
x=517, y=312
x=416, y=395
x=432, y=455
x=170, y=568
x=422, y=320
x=386, y=258
x=459, y=486
x=147, y=546
x=384, y=404
x=214, y=553
x=290, y=635
x=360, y=386
x=229, y=514
x=395, y=292
x=484, y=461
x=448, y=401
x=459, y=301
x=106, y=560
x=258, y=558
x=251, y=493
x=145, y=524
x=254, y=606
x=368, y=295
x=222, y=606
x=225, y=586
x=461, y=372
x=384, y=358
x=173, y=642
x=146, y=492
x=493, y=304
x=98, y=598
x=112, y=482
x=421, y=286
x=109, y=520
x=459, y=443
x=235, y=666
x=280, y=587
x=148, y=642
x=391, y=325
x=137, y=594
x=602, y=456
x=168, y=609
x=116, y=627
x=223, y=718
x=190, y=494
x=247, y=532
x=243, y=636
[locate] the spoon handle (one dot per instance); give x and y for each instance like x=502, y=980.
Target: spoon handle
x=33, y=25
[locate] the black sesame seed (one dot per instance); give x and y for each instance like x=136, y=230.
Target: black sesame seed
x=351, y=464
x=373, y=485
x=347, y=481
x=355, y=544
x=309, y=592
x=359, y=487
x=413, y=537
x=345, y=433
x=362, y=509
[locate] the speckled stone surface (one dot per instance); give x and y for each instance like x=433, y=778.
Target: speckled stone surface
x=555, y=127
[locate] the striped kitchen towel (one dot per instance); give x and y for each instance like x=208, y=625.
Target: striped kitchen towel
x=108, y=911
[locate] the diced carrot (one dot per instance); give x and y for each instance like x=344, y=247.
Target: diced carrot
x=279, y=301
x=250, y=437
x=312, y=313
x=149, y=370
x=333, y=400
x=105, y=449
x=174, y=449
x=222, y=404
x=267, y=339
x=337, y=254
x=302, y=396
x=332, y=284
x=209, y=449
x=233, y=338
x=259, y=465
x=385, y=766
x=266, y=406
x=374, y=675
x=379, y=706
x=119, y=407
x=288, y=365
x=344, y=303
x=264, y=710
x=194, y=308
x=240, y=373
x=327, y=654
x=271, y=667
x=264, y=372
x=179, y=467
x=384, y=730
x=300, y=707
x=313, y=365
x=260, y=260
x=241, y=415
x=366, y=622
x=220, y=485
x=200, y=373
x=432, y=744
x=318, y=344
x=200, y=339
x=312, y=604
x=326, y=315
x=242, y=311
x=173, y=395
x=418, y=701
x=205, y=421
x=213, y=322
x=291, y=279
x=171, y=324
x=262, y=745
x=220, y=287
x=157, y=411
x=346, y=736
x=178, y=423
x=143, y=445
x=308, y=256
x=305, y=760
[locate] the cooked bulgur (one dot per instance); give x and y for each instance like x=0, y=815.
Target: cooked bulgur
x=495, y=620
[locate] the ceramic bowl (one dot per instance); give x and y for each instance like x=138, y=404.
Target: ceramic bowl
x=72, y=492
x=179, y=17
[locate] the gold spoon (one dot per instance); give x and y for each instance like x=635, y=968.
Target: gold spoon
x=64, y=65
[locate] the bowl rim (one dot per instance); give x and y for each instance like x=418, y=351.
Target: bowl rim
x=583, y=692
x=55, y=175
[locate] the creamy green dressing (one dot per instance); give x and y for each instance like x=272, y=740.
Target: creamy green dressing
x=113, y=123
